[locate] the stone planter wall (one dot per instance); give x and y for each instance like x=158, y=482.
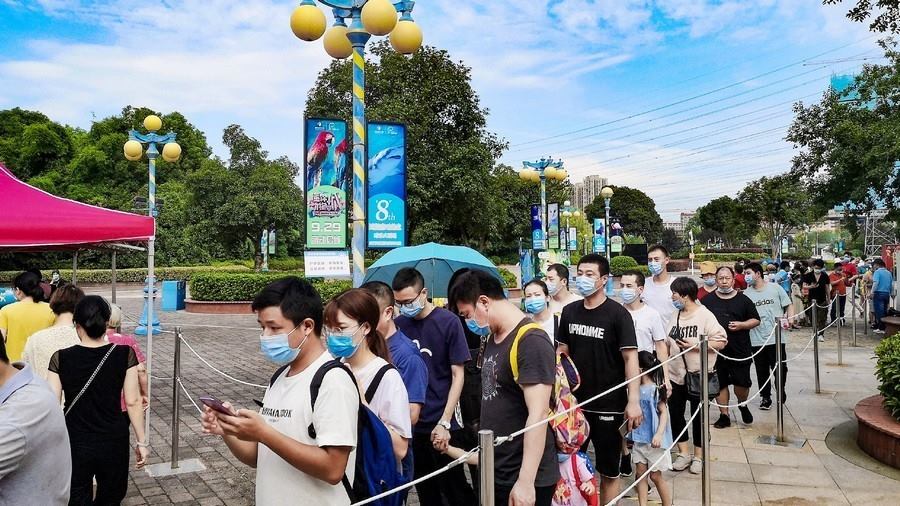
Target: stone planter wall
x=213, y=307
x=879, y=432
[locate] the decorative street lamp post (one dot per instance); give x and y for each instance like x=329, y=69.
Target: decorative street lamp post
x=539, y=172
x=367, y=18
x=171, y=152
x=607, y=194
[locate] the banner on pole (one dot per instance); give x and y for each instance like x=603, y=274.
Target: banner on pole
x=386, y=185
x=537, y=233
x=573, y=239
x=599, y=240
x=553, y=226
x=327, y=156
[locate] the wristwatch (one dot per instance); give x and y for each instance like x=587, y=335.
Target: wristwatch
x=444, y=423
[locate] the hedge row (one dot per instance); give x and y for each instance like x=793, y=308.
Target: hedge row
x=239, y=286
x=91, y=276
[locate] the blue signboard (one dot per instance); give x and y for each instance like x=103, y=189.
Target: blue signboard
x=599, y=239
x=386, y=186
x=537, y=232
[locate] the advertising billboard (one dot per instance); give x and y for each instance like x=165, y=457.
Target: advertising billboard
x=327, y=158
x=386, y=185
x=537, y=232
x=553, y=226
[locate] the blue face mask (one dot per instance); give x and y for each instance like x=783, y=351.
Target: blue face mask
x=748, y=278
x=340, y=344
x=553, y=288
x=628, y=295
x=477, y=329
x=586, y=286
x=277, y=348
x=656, y=268
x=412, y=309
x=677, y=304
x=535, y=305
x=709, y=281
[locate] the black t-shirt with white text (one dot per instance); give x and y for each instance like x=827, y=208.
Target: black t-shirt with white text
x=736, y=309
x=820, y=283
x=503, y=407
x=596, y=338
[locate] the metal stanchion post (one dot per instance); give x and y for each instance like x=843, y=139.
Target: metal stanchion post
x=176, y=466
x=815, y=339
x=486, y=467
x=176, y=397
x=853, y=312
x=866, y=327
x=840, y=323
x=779, y=387
x=704, y=418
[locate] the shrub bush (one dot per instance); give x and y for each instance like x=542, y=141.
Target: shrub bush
x=509, y=279
x=887, y=370
x=239, y=286
x=98, y=276
x=622, y=263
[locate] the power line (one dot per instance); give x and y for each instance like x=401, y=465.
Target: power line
x=678, y=102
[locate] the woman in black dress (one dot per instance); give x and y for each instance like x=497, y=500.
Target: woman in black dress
x=93, y=375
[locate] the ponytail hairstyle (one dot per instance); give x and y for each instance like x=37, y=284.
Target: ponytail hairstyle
x=363, y=307
x=647, y=361
x=30, y=284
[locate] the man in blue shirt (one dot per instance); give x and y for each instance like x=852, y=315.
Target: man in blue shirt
x=404, y=354
x=35, y=459
x=438, y=334
x=882, y=284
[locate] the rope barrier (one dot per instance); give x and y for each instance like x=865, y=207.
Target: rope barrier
x=503, y=439
x=232, y=378
x=189, y=397
x=461, y=460
x=660, y=459
x=159, y=378
x=751, y=357
x=795, y=357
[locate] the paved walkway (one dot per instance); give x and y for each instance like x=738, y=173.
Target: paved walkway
x=743, y=471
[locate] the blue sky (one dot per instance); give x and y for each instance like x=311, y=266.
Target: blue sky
x=685, y=99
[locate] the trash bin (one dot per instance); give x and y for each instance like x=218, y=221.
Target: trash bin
x=173, y=294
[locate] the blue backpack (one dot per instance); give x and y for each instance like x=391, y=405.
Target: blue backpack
x=377, y=469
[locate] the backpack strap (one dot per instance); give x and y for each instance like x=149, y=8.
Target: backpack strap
x=373, y=387
x=514, y=349
x=555, y=326
x=314, y=387
x=277, y=374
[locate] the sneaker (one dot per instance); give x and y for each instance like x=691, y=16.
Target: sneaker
x=721, y=423
x=681, y=462
x=625, y=468
x=696, y=466
x=765, y=404
x=746, y=415
x=878, y=331
x=821, y=338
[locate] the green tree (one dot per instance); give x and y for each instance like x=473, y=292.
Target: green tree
x=240, y=201
x=727, y=219
x=31, y=144
x=778, y=206
x=634, y=209
x=850, y=143
x=450, y=153
x=885, y=14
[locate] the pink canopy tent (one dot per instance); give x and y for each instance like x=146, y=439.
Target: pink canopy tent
x=32, y=219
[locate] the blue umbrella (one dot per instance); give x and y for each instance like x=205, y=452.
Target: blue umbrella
x=436, y=263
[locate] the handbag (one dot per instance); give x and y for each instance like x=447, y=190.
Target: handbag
x=90, y=380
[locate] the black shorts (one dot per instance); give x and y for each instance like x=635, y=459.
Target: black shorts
x=607, y=442
x=733, y=372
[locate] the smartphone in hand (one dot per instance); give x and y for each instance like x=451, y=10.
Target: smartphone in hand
x=216, y=405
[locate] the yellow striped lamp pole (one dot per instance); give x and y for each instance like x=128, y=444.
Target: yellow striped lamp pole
x=367, y=18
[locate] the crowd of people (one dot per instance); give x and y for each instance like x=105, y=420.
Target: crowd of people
x=380, y=373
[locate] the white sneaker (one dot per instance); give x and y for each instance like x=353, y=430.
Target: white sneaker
x=681, y=462
x=878, y=331
x=696, y=466
x=821, y=338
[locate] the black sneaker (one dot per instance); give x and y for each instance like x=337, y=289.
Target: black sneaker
x=765, y=404
x=746, y=415
x=722, y=422
x=625, y=468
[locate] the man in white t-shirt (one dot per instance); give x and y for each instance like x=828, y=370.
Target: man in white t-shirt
x=648, y=324
x=658, y=290
x=301, y=453
x=557, y=281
